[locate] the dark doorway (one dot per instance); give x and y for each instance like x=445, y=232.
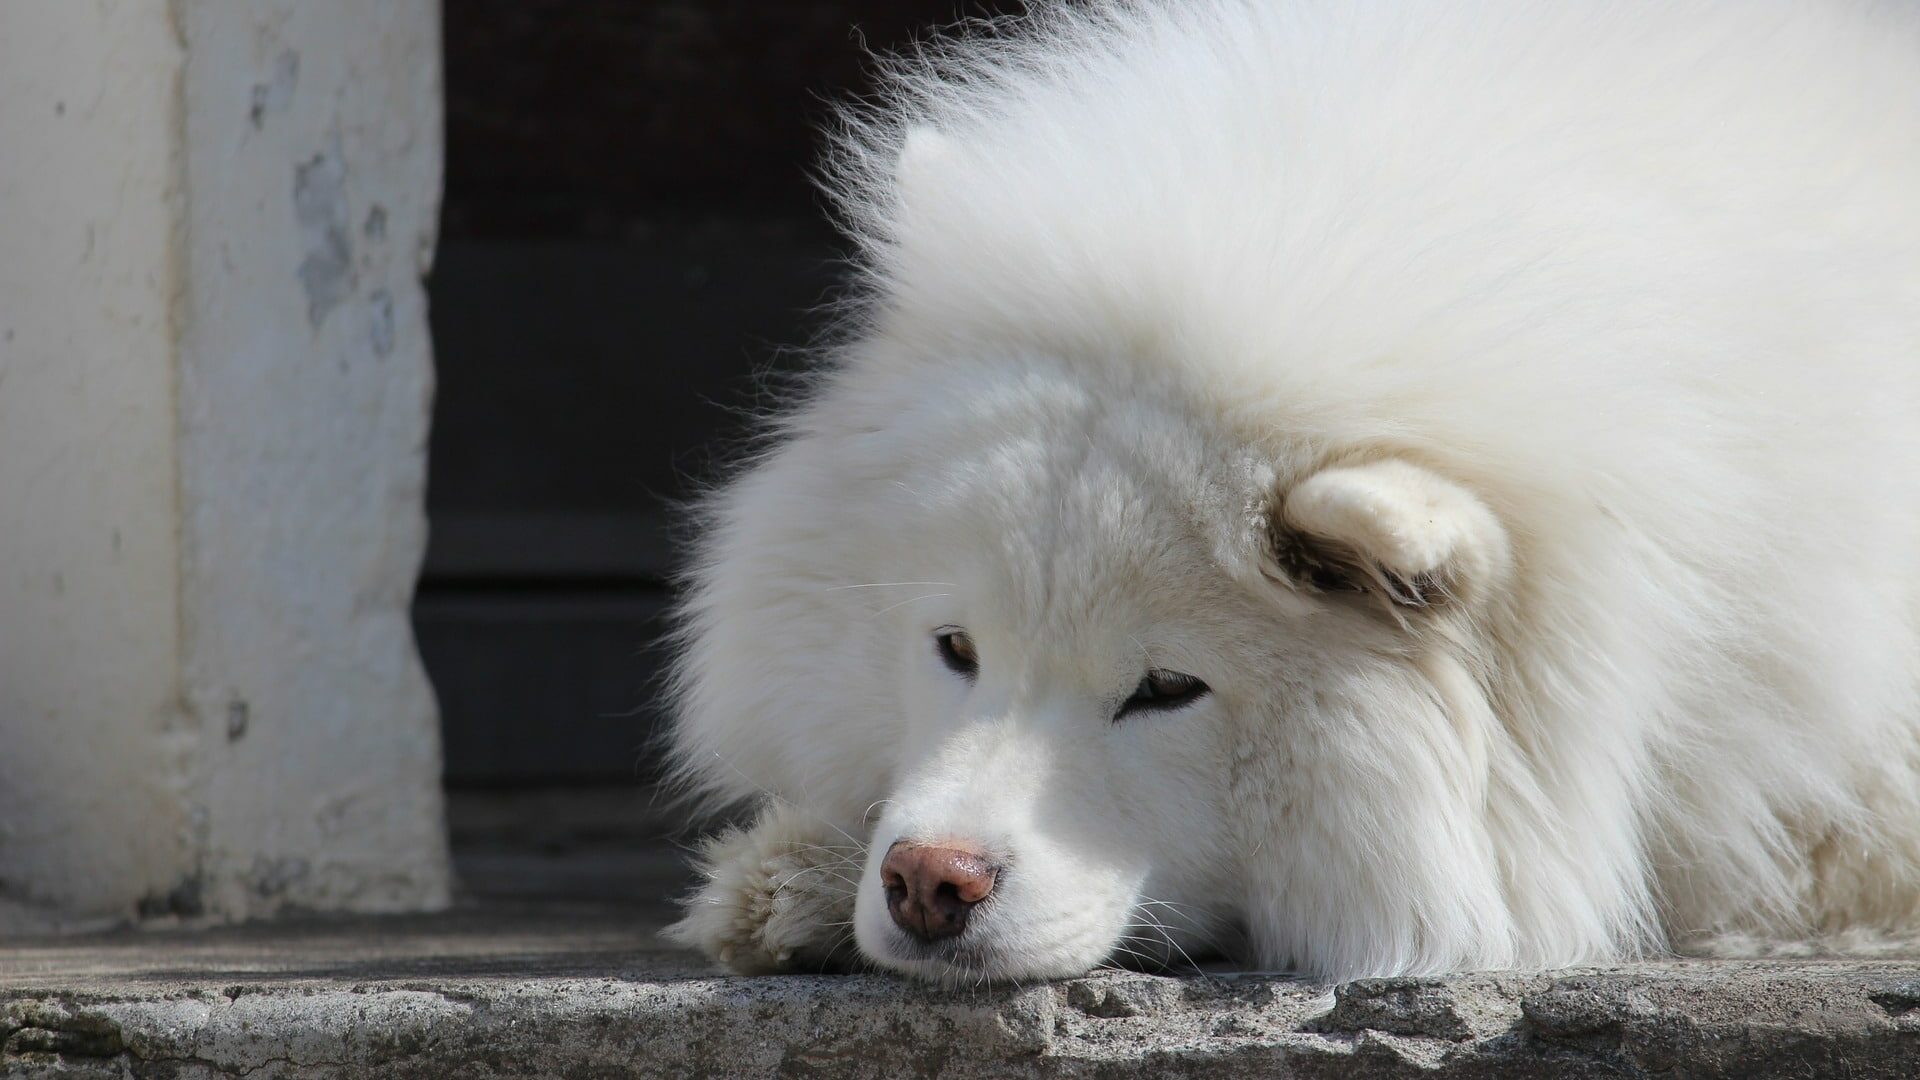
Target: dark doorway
x=629, y=235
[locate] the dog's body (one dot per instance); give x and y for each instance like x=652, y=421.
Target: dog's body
x=1510, y=414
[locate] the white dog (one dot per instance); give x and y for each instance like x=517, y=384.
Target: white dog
x=1366, y=488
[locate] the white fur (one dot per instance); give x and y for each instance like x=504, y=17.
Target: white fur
x=776, y=896
x=1600, y=319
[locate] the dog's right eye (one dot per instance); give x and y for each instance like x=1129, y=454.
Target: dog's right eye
x=956, y=651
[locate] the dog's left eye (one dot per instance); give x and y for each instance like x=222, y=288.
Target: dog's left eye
x=1162, y=690
x=956, y=651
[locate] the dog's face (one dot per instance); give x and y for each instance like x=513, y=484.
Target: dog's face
x=1105, y=692
x=1067, y=681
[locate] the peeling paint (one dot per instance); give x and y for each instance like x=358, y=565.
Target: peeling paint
x=320, y=205
x=273, y=96
x=380, y=330
x=335, y=815
x=194, y=491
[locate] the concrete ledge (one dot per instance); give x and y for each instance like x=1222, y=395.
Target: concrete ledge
x=557, y=989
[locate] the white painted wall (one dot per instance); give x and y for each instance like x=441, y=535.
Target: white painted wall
x=214, y=382
x=93, y=745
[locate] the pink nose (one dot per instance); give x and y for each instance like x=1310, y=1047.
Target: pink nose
x=932, y=889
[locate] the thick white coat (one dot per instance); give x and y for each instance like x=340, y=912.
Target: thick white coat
x=1583, y=337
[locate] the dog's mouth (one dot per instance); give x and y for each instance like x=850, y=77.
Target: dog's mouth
x=1001, y=950
x=951, y=962
x=973, y=963
x=976, y=963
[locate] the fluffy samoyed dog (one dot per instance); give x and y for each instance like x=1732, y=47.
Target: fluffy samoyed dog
x=1362, y=488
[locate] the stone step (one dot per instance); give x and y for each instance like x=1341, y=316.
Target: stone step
x=560, y=988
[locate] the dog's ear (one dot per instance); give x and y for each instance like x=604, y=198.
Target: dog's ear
x=1393, y=528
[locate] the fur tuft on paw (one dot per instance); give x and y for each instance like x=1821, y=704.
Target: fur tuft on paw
x=775, y=896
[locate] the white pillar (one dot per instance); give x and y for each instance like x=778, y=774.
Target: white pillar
x=214, y=382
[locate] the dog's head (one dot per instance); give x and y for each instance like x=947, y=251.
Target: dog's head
x=1104, y=678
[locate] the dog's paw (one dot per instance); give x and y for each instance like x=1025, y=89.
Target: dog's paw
x=777, y=896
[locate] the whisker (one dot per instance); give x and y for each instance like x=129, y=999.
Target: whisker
x=1145, y=911
x=853, y=883
x=1145, y=960
x=904, y=603
x=783, y=800
x=843, y=942
x=830, y=848
x=890, y=585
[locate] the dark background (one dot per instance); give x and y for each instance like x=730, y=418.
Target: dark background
x=629, y=234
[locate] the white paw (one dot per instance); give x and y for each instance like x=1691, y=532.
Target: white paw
x=777, y=896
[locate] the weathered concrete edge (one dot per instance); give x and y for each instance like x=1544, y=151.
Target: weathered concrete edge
x=1710, y=1020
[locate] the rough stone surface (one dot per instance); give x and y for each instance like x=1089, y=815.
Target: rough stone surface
x=586, y=990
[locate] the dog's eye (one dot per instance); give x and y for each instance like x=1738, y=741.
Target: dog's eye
x=956, y=651
x=1162, y=690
